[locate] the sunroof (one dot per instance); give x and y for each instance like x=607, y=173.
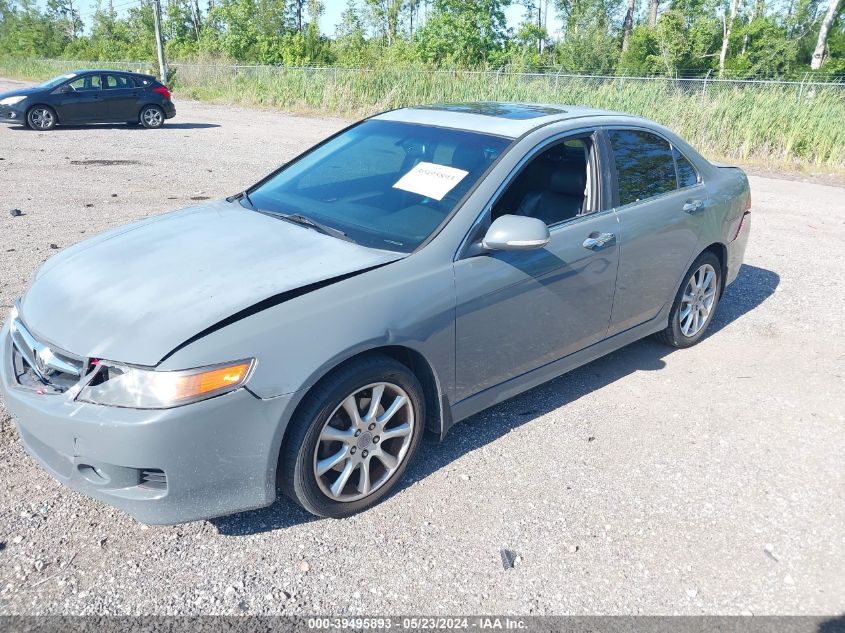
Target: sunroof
x=518, y=111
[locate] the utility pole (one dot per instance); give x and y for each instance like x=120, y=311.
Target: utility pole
x=195, y=16
x=71, y=27
x=162, y=62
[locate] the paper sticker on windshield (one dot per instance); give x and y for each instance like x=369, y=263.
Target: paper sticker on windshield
x=431, y=180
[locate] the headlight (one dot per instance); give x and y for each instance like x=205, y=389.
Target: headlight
x=12, y=100
x=126, y=386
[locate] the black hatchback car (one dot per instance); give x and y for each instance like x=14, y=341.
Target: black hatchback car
x=90, y=96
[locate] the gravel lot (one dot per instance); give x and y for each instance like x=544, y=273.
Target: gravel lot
x=651, y=481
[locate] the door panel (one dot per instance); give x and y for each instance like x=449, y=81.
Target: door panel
x=658, y=240
x=83, y=102
x=519, y=310
x=121, y=97
x=658, y=223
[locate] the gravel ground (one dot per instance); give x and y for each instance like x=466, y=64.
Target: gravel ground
x=651, y=481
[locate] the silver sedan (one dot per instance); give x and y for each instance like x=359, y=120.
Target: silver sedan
x=406, y=273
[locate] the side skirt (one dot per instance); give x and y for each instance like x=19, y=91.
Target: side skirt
x=510, y=388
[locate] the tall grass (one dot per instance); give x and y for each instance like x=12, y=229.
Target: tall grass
x=782, y=124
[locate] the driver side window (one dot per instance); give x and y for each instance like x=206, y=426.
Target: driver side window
x=558, y=184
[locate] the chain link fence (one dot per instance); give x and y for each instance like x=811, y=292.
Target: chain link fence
x=786, y=120
x=687, y=80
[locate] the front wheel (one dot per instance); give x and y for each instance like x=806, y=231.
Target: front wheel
x=41, y=117
x=695, y=304
x=353, y=437
x=152, y=117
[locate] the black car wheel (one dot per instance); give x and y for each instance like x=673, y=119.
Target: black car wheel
x=152, y=117
x=41, y=117
x=352, y=438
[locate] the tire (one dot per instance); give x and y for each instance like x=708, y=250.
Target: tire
x=683, y=331
x=306, y=451
x=151, y=117
x=41, y=117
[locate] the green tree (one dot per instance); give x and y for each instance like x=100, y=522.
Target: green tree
x=464, y=33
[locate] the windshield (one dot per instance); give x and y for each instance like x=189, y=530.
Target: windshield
x=384, y=184
x=55, y=81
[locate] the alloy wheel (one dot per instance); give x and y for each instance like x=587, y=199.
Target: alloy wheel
x=152, y=117
x=698, y=300
x=364, y=441
x=41, y=118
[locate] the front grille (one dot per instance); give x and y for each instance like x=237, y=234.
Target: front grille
x=153, y=478
x=40, y=367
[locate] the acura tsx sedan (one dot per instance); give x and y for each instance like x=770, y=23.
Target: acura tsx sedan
x=411, y=270
x=89, y=96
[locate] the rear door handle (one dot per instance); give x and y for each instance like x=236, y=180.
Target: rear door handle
x=693, y=206
x=599, y=240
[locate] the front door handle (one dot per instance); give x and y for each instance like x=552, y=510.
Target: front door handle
x=599, y=240
x=693, y=206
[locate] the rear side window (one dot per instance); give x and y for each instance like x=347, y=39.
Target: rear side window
x=114, y=82
x=687, y=175
x=644, y=164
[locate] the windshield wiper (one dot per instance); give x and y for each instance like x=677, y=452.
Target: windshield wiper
x=295, y=218
x=304, y=220
x=243, y=195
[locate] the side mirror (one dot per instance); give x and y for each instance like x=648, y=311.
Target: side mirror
x=516, y=233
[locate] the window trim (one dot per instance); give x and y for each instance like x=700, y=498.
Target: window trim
x=464, y=250
x=615, y=171
x=698, y=179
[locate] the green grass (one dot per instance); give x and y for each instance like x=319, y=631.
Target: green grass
x=765, y=124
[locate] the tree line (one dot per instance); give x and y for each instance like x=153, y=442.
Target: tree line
x=730, y=38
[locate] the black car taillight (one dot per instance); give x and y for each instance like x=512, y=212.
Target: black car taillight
x=163, y=91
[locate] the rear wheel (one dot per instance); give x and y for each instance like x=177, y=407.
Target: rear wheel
x=695, y=303
x=151, y=117
x=353, y=437
x=41, y=117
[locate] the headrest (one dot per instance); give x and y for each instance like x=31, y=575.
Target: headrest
x=570, y=181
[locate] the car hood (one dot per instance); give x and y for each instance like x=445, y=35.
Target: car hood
x=134, y=294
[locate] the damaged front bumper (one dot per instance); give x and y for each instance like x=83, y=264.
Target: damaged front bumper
x=197, y=461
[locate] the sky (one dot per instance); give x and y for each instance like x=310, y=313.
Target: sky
x=328, y=20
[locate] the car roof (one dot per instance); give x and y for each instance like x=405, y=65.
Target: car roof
x=110, y=71
x=492, y=117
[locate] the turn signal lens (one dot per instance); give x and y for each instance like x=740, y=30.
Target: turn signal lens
x=213, y=380
x=140, y=388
